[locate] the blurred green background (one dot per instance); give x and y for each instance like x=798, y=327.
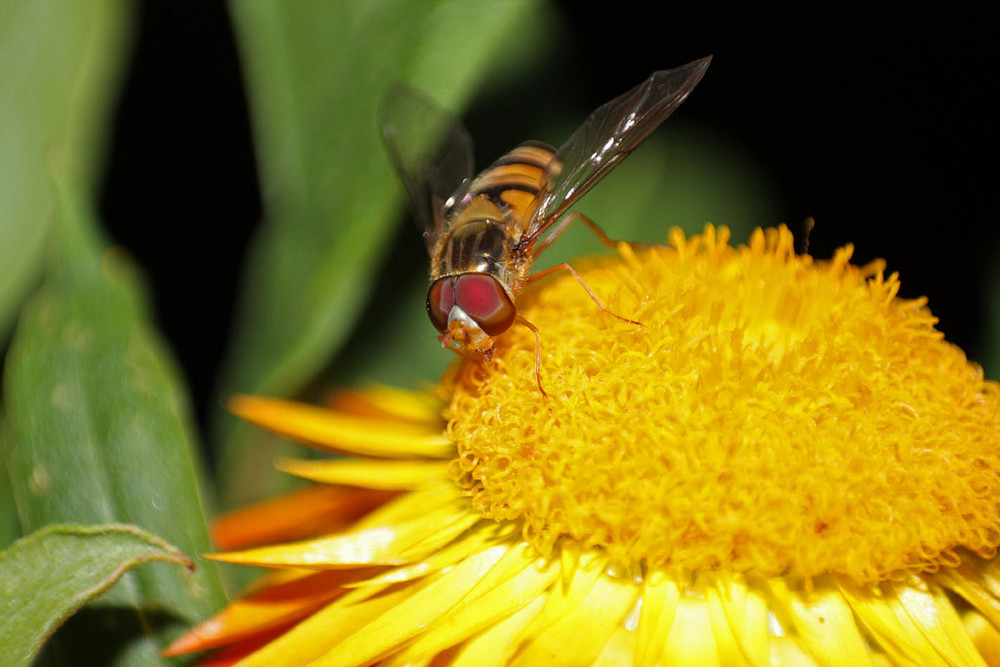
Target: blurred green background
x=194, y=201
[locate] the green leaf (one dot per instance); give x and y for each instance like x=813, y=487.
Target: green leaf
x=9, y=528
x=316, y=72
x=60, y=63
x=50, y=574
x=99, y=430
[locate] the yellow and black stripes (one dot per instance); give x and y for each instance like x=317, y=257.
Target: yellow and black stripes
x=487, y=222
x=513, y=182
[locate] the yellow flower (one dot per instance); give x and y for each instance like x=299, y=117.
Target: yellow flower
x=785, y=463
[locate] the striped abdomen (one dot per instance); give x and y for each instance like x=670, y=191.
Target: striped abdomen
x=513, y=182
x=484, y=225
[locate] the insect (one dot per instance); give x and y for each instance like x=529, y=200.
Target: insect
x=483, y=233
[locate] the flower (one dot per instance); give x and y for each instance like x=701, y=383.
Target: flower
x=785, y=462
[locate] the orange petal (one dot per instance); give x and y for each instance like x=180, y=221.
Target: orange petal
x=382, y=402
x=343, y=433
x=233, y=655
x=382, y=545
x=295, y=516
x=268, y=609
x=314, y=636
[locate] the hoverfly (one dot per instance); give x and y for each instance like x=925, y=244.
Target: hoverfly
x=483, y=233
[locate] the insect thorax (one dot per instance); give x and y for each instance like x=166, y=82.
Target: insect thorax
x=480, y=245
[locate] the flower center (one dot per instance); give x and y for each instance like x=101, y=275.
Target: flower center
x=772, y=415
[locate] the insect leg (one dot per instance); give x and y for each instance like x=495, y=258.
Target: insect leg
x=566, y=222
x=566, y=267
x=538, y=353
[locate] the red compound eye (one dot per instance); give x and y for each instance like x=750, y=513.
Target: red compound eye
x=440, y=299
x=484, y=300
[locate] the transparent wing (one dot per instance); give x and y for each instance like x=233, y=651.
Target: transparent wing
x=608, y=136
x=432, y=152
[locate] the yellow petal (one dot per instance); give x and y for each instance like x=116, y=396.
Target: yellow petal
x=989, y=574
x=382, y=400
x=476, y=539
x=410, y=617
x=414, y=504
x=319, y=509
x=787, y=652
x=823, y=621
x=570, y=554
x=571, y=592
x=691, y=640
x=739, y=619
x=519, y=558
x=487, y=604
x=391, y=544
x=576, y=629
x=932, y=612
x=896, y=633
x=968, y=581
x=341, y=432
x=984, y=635
x=497, y=645
x=619, y=649
x=394, y=475
x=315, y=636
x=660, y=595
x=286, y=600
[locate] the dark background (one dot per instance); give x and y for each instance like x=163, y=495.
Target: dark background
x=881, y=125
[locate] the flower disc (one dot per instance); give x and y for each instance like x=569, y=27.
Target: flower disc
x=773, y=414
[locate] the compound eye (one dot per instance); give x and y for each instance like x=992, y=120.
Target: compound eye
x=484, y=300
x=440, y=299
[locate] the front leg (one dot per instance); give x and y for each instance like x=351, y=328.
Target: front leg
x=566, y=267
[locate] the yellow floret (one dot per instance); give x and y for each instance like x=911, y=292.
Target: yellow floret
x=772, y=415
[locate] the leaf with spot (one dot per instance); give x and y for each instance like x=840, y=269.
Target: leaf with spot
x=60, y=67
x=99, y=430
